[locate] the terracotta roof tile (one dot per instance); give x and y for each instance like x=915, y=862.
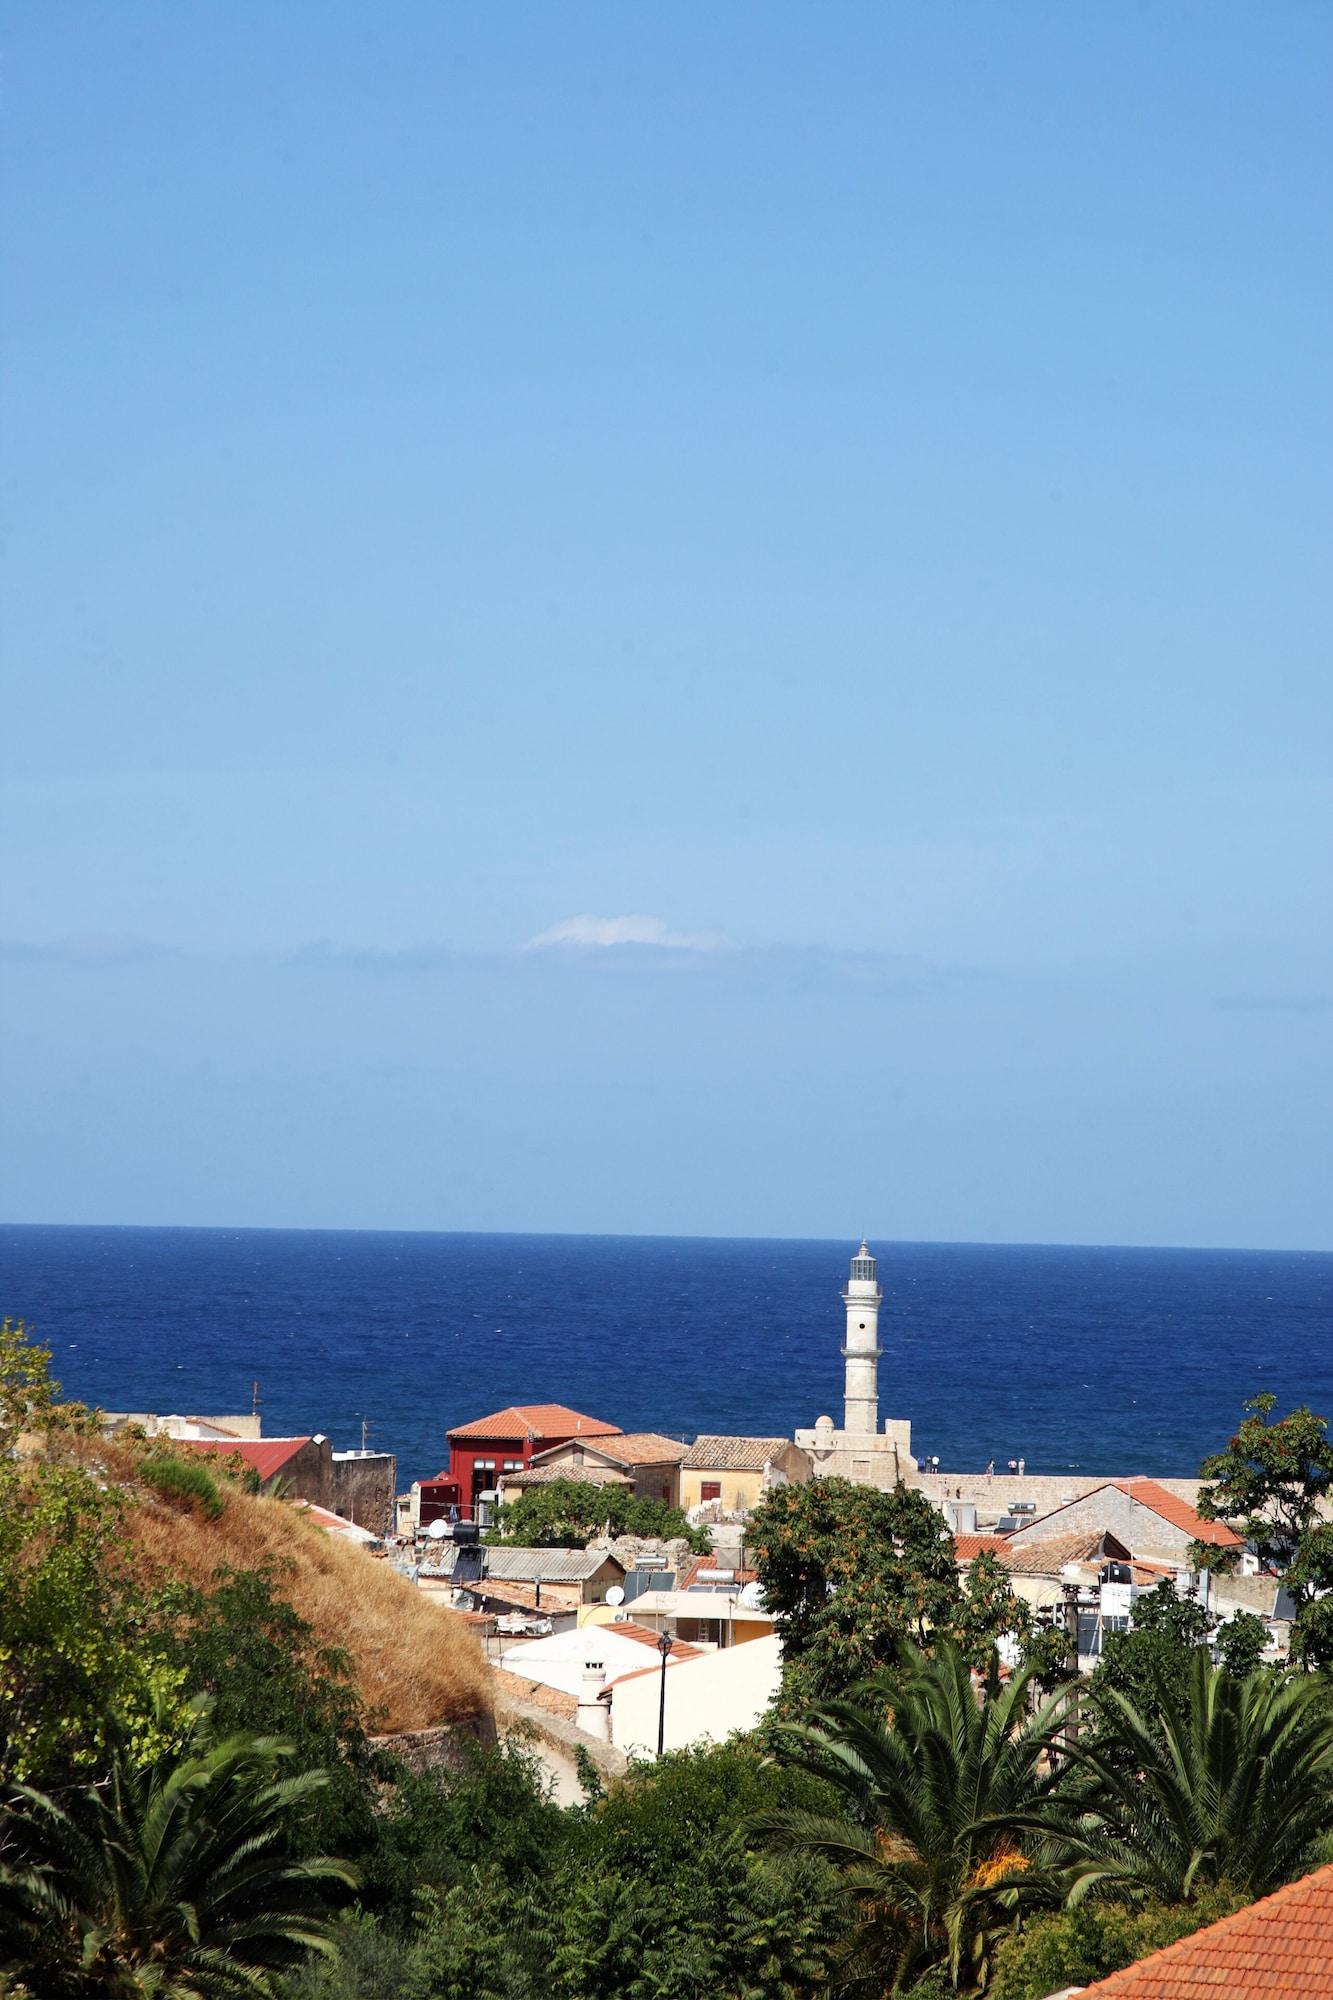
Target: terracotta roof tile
x=1277, y=1949
x=967, y=1547
x=1044, y=1558
x=681, y=1649
x=533, y=1421
x=732, y=1454
x=642, y=1448
x=583, y=1475
x=1179, y=1512
x=680, y=1652
x=266, y=1455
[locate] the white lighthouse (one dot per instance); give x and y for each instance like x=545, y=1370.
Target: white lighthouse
x=861, y=1349
x=861, y=1450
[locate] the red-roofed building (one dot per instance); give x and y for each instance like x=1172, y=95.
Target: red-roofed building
x=357, y=1485
x=482, y=1451
x=1278, y=1949
x=303, y=1464
x=645, y=1461
x=1147, y=1518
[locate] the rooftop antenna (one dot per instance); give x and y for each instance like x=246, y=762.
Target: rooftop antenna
x=255, y=1399
x=366, y=1428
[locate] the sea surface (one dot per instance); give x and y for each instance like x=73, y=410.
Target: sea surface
x=1101, y=1360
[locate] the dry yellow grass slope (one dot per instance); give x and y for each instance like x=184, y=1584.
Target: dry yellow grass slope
x=415, y=1664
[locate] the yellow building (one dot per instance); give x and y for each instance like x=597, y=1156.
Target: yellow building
x=734, y=1472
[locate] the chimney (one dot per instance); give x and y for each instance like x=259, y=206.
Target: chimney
x=594, y=1713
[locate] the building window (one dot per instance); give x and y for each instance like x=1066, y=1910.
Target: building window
x=513, y=1465
x=710, y=1489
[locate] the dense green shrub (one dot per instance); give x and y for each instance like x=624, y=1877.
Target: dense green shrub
x=184, y=1479
x=1072, y=1947
x=244, y=1645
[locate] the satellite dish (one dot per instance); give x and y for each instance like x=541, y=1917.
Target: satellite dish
x=438, y=1530
x=752, y=1597
x=615, y=1595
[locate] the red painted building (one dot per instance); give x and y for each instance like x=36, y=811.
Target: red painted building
x=480, y=1453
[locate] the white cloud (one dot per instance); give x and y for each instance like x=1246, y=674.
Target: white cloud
x=599, y=932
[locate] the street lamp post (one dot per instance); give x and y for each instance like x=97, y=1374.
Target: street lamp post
x=664, y=1648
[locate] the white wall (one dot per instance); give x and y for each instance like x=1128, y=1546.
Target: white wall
x=706, y=1697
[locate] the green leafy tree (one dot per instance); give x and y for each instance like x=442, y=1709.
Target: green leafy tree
x=567, y=1513
x=259, y=1662
x=1270, y=1485
x=935, y=1788
x=849, y=1572
x=1156, y=1655
x=662, y=1896
x=491, y=1810
x=1229, y=1783
x=172, y=1877
x=71, y=1656
x=989, y=1608
x=1241, y=1642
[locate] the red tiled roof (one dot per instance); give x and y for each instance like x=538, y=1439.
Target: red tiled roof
x=266, y=1455
x=966, y=1547
x=534, y=1420
x=681, y=1649
x=333, y=1524
x=1178, y=1512
x=642, y=1448
x=1277, y=1949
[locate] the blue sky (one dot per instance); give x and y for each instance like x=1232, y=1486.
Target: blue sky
x=670, y=620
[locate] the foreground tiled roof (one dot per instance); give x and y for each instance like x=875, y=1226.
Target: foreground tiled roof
x=1279, y=1949
x=1179, y=1512
x=266, y=1455
x=534, y=1420
x=731, y=1454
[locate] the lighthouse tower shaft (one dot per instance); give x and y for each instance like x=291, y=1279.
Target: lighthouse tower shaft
x=861, y=1349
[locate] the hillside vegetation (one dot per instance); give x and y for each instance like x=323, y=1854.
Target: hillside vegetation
x=413, y=1663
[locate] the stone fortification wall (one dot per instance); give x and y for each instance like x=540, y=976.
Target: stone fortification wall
x=363, y=1490
x=440, y=1748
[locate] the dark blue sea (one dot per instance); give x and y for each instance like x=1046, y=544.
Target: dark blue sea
x=1114, y=1361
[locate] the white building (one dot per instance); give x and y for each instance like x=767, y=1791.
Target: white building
x=708, y=1697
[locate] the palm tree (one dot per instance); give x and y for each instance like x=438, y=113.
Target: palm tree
x=1230, y=1782
x=173, y=1879
x=936, y=1782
